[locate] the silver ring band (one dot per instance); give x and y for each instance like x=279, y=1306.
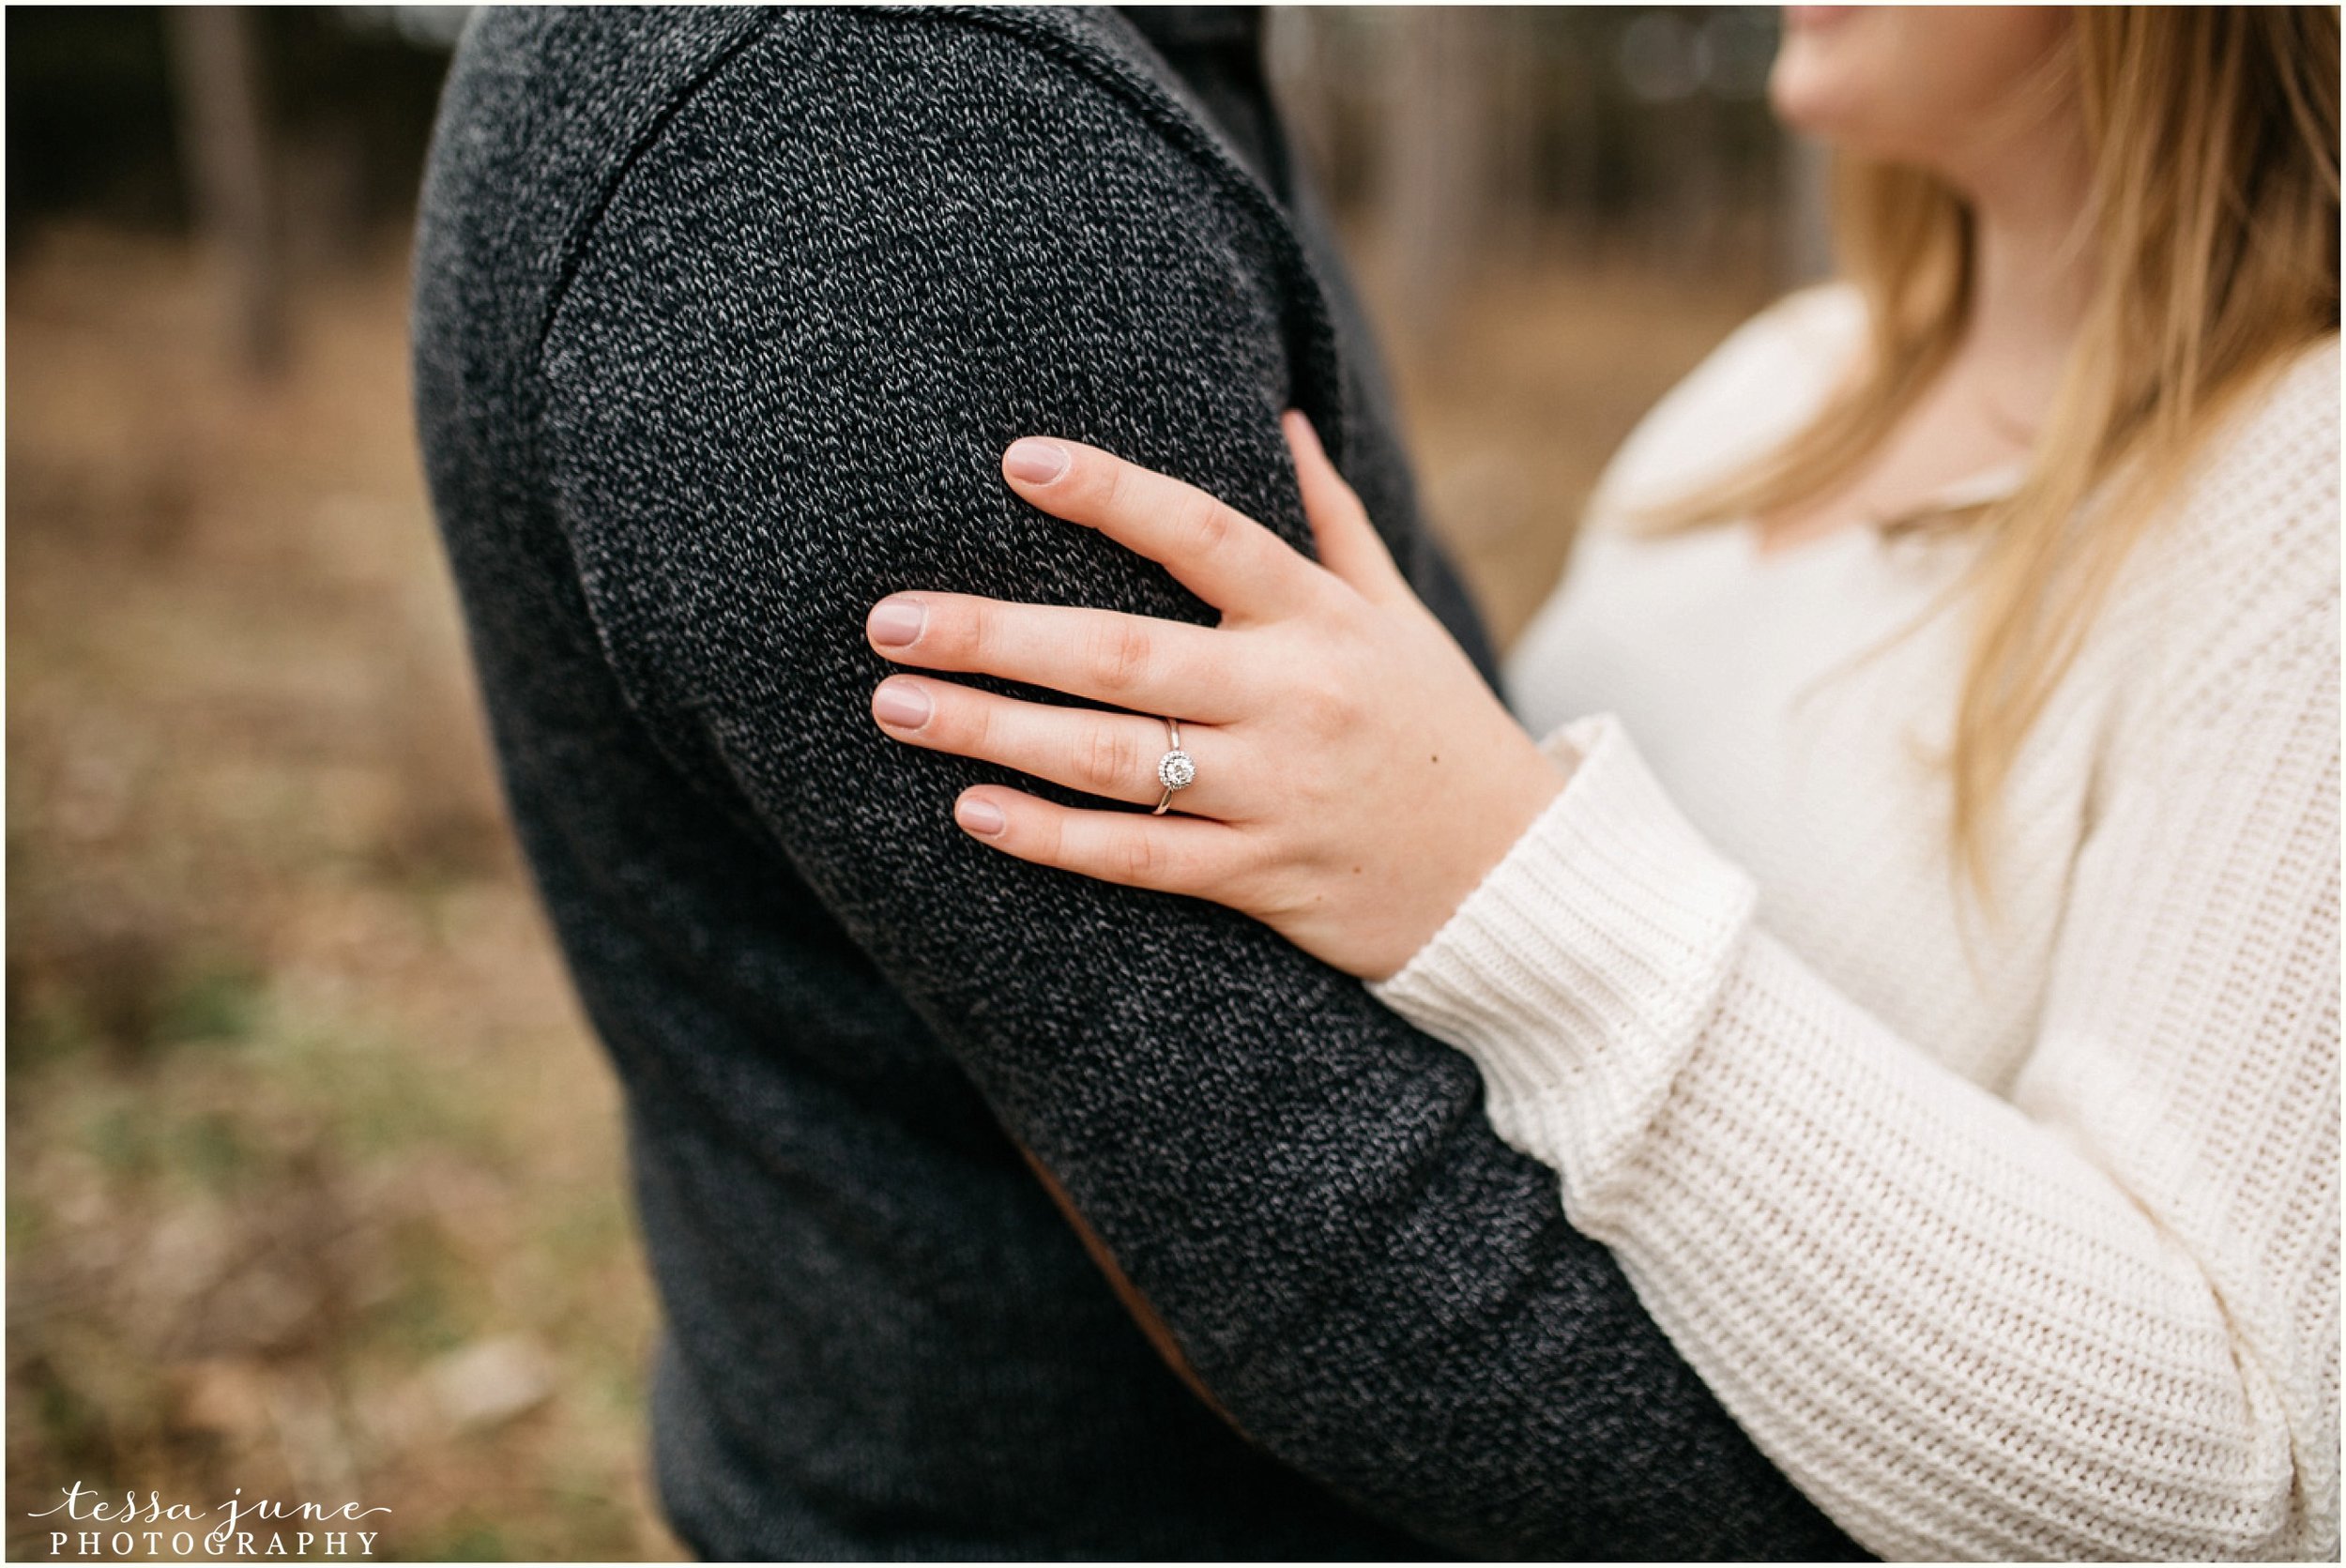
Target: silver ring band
x=1176, y=771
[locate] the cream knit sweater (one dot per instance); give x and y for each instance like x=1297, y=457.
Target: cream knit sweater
x=2003, y=1237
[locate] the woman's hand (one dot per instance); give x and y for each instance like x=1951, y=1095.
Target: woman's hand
x=1354, y=776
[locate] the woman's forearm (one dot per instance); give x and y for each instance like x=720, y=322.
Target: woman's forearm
x=1968, y=1327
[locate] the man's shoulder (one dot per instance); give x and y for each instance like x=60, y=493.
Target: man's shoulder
x=570, y=96
x=605, y=61
x=550, y=114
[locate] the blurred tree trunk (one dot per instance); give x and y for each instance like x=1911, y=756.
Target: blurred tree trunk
x=1438, y=159
x=1691, y=208
x=1510, y=120
x=1806, y=253
x=1575, y=97
x=224, y=143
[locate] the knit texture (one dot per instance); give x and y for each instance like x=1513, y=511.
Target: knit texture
x=2010, y=1236
x=722, y=321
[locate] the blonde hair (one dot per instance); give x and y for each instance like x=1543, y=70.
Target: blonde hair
x=2213, y=226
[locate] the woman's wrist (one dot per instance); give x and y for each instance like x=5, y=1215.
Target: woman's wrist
x=1513, y=788
x=1581, y=969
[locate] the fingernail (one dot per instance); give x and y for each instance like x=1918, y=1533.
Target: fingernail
x=902, y=704
x=896, y=622
x=1032, y=462
x=980, y=817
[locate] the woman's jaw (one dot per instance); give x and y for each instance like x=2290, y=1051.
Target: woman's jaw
x=1954, y=90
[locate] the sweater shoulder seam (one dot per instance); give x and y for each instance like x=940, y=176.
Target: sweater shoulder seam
x=580, y=237
x=1150, y=105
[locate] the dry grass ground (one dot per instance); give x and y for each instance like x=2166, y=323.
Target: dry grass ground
x=314, y=1180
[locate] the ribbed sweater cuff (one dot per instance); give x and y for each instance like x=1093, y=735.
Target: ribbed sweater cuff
x=1579, y=974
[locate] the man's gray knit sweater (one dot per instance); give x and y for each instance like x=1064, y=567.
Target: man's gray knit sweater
x=722, y=321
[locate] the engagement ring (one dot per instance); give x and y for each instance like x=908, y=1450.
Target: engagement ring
x=1176, y=769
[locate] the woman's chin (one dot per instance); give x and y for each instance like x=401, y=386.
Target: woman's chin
x=1805, y=104
x=1817, y=99
x=1799, y=19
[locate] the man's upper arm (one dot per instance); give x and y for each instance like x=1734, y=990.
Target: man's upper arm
x=808, y=321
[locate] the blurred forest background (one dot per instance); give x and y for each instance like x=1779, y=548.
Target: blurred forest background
x=314, y=1181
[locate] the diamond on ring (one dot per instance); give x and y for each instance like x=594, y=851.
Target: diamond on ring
x=1175, y=770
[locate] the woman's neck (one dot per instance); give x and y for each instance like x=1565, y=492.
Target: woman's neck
x=2033, y=270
